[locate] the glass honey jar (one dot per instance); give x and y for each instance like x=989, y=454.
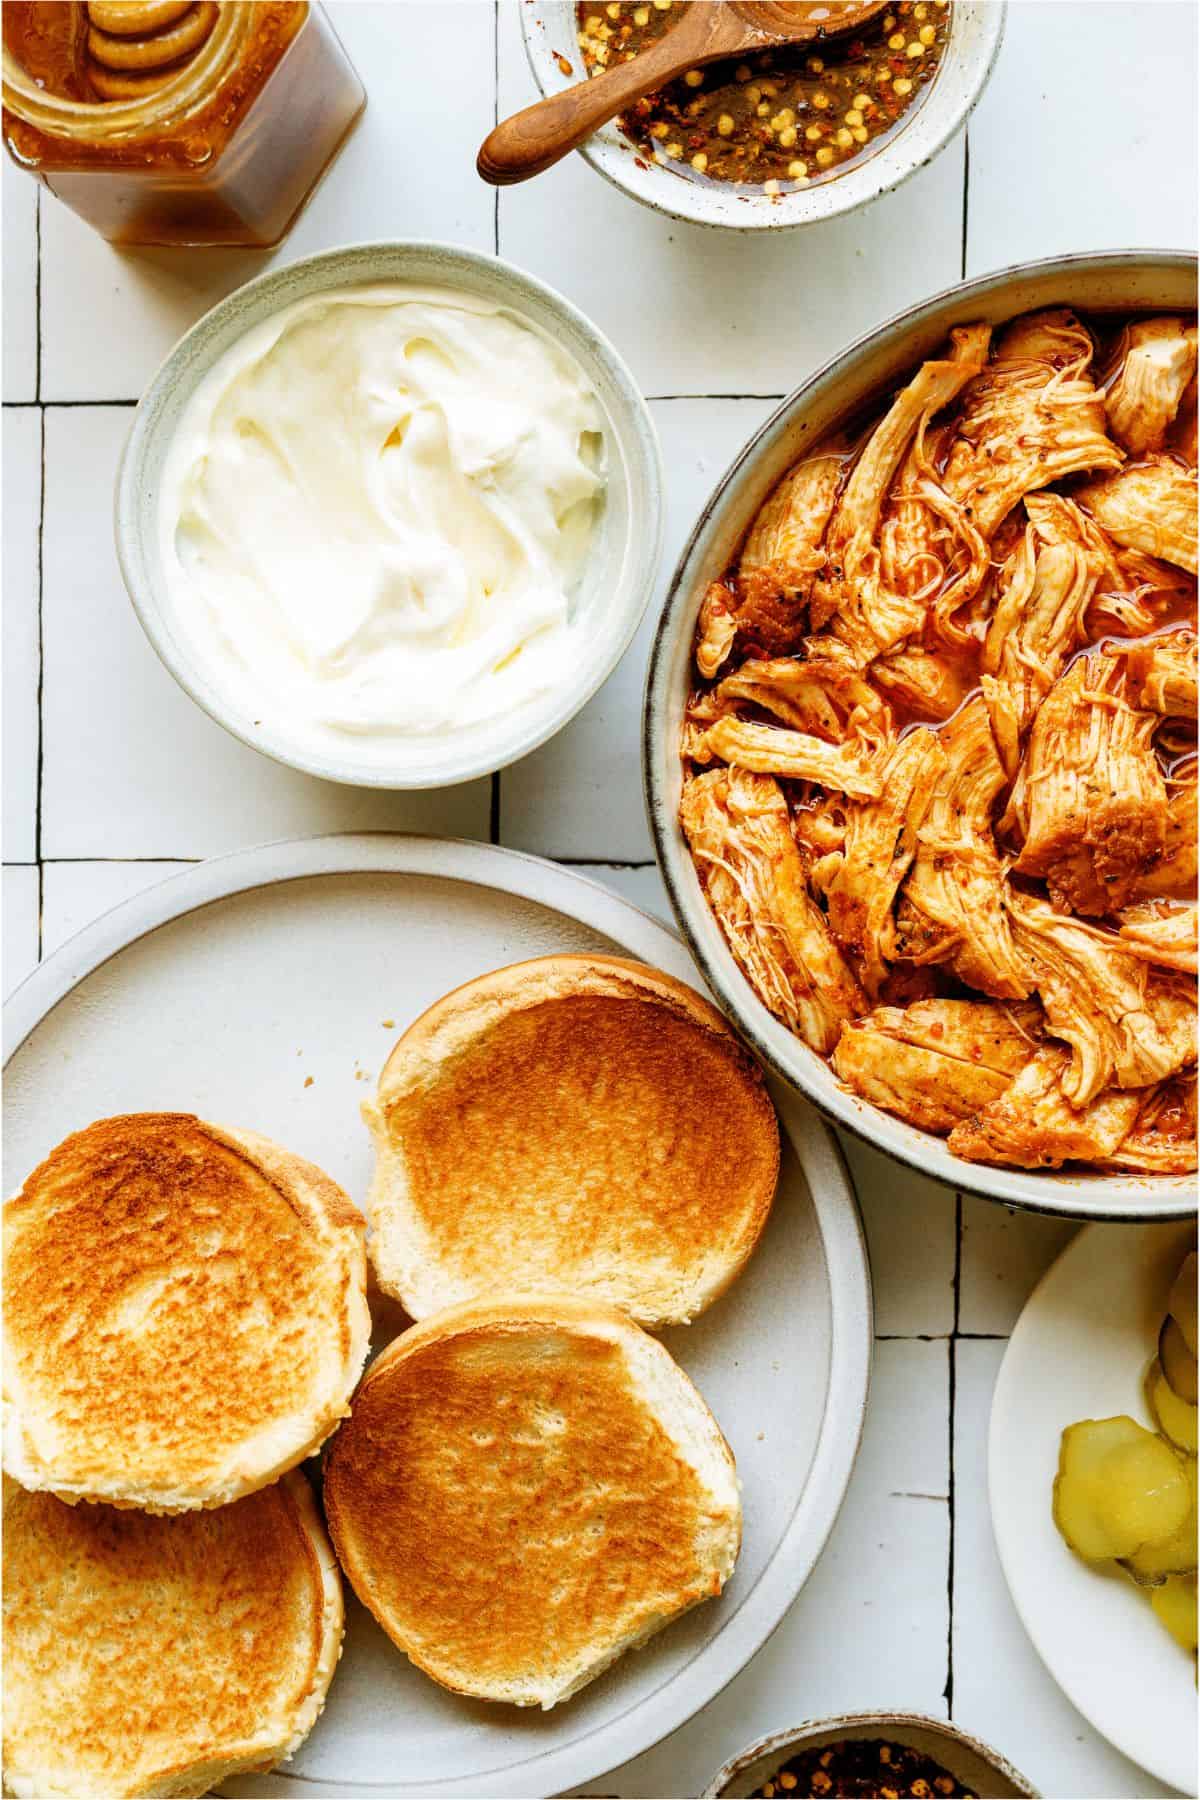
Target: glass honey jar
x=171, y=122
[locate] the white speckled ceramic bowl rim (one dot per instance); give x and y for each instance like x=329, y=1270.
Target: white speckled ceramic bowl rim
x=630, y=537
x=1115, y=280
x=977, y=27
x=973, y=1762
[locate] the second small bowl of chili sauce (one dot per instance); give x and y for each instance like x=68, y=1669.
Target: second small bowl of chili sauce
x=881, y=1754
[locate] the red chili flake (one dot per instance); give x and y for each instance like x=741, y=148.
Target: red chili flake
x=860, y=1767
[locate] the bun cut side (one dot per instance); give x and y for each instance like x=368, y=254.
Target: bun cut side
x=185, y=1314
x=525, y=1489
x=577, y=1125
x=146, y=1655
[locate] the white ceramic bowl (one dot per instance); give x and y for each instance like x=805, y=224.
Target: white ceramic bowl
x=621, y=564
x=977, y=26
x=976, y=1766
x=1114, y=281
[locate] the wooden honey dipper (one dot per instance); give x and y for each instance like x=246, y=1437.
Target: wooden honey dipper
x=136, y=46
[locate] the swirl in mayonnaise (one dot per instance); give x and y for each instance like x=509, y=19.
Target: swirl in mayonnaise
x=374, y=513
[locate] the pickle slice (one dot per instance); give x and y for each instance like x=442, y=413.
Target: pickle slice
x=1175, y=1417
x=1153, y=1564
x=1179, y=1365
x=1118, y=1487
x=1175, y=1604
x=1182, y=1303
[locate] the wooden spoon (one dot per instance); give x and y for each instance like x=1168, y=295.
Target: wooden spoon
x=537, y=138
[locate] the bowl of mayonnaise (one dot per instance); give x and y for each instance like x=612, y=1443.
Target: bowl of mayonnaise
x=391, y=514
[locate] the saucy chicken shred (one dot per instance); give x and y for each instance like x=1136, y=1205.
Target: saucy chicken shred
x=940, y=773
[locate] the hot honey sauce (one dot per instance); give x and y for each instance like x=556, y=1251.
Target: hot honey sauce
x=173, y=122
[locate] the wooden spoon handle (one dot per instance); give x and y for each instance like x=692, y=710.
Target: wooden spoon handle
x=537, y=138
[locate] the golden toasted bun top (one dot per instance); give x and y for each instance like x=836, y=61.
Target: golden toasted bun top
x=185, y=1312
x=523, y=1487
x=573, y=1124
x=144, y=1653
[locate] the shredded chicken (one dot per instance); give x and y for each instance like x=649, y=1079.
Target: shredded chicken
x=1173, y=875
x=1033, y=1124
x=929, y=548
x=935, y=1062
x=1150, y=506
x=1161, y=932
x=1159, y=362
x=1163, y=1139
x=941, y=751
x=1127, y=1024
x=1089, y=803
x=1181, y=438
x=788, y=528
x=1033, y=416
x=740, y=834
x=952, y=903
x=866, y=614
x=827, y=698
x=927, y=685
x=1130, y=602
x=767, y=750
x=881, y=840
x=1161, y=674
x=716, y=628
x=1043, y=594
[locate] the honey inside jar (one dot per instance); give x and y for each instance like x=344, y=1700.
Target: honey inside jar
x=785, y=117
x=177, y=121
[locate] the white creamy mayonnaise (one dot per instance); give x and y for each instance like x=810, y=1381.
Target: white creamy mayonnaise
x=375, y=510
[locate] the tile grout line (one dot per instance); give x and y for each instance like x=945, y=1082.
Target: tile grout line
x=966, y=201
x=58, y=862
x=39, y=766
x=41, y=652
x=37, y=293
x=952, y=1387
x=494, y=813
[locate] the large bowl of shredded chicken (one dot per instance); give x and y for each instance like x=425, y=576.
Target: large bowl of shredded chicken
x=920, y=743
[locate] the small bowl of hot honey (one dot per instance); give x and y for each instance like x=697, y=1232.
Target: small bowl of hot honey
x=785, y=136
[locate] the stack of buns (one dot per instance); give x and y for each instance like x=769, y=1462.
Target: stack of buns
x=526, y=1485
x=185, y=1321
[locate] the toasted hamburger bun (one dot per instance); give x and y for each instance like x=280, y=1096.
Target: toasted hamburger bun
x=185, y=1314
x=577, y=1125
x=525, y=1489
x=151, y=1655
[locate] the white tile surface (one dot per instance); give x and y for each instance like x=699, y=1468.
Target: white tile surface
x=408, y=171
x=75, y=894
x=580, y=795
x=698, y=311
x=1004, y=1256
x=20, y=941
x=19, y=198
x=869, y=1631
x=131, y=766
x=22, y=499
x=910, y=1225
x=1002, y=1692
x=1085, y=138
x=644, y=886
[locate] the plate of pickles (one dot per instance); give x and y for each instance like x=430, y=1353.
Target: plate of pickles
x=1092, y=1479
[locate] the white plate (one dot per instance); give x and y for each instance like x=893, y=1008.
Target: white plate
x=1079, y=1351
x=223, y=991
